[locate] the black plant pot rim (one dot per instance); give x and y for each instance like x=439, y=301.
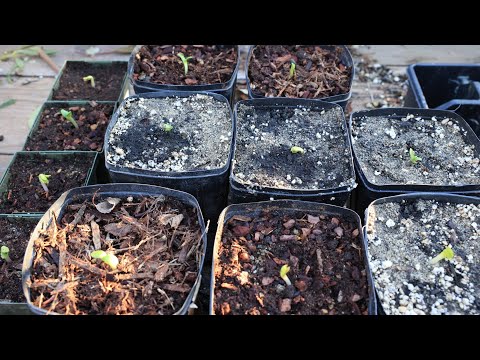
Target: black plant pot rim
x=166, y=174
x=334, y=98
x=415, y=83
x=393, y=113
x=442, y=196
x=204, y=87
x=297, y=205
x=124, y=190
x=291, y=102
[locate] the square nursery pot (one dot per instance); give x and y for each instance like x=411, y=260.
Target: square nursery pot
x=382, y=139
x=14, y=233
x=110, y=81
x=280, y=62
x=404, y=233
x=264, y=166
x=138, y=64
x=454, y=87
x=322, y=244
x=150, y=226
x=52, y=132
x=138, y=149
x=27, y=187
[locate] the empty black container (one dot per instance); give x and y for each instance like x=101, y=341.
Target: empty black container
x=239, y=193
x=367, y=192
x=256, y=209
x=452, y=198
x=454, y=87
x=57, y=210
x=341, y=99
x=226, y=89
x=11, y=308
x=210, y=187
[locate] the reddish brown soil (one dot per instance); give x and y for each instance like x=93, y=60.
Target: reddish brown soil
x=210, y=64
x=158, y=260
x=325, y=255
x=319, y=72
x=56, y=133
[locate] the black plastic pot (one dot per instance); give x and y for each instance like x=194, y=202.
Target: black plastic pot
x=341, y=99
x=256, y=209
x=90, y=156
x=209, y=187
x=122, y=90
x=367, y=192
x=11, y=308
x=225, y=89
x=454, y=87
x=239, y=193
x=452, y=198
x=57, y=210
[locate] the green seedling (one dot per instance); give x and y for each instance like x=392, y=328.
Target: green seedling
x=297, y=149
x=43, y=178
x=4, y=251
x=167, y=127
x=414, y=158
x=185, y=61
x=107, y=258
x=447, y=253
x=91, y=79
x=283, y=274
x=293, y=65
x=69, y=116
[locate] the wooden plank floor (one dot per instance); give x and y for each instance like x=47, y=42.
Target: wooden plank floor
x=31, y=89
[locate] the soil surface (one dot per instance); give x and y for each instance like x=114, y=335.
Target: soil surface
x=157, y=241
x=319, y=72
x=108, y=78
x=15, y=235
x=264, y=140
x=56, y=133
x=403, y=238
x=382, y=146
x=160, y=64
x=327, y=271
x=200, y=139
x=24, y=192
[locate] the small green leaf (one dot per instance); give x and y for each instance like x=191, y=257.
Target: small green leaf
x=414, y=158
x=283, y=274
x=185, y=61
x=44, y=178
x=167, y=127
x=69, y=116
x=98, y=254
x=91, y=79
x=7, y=103
x=297, y=149
x=4, y=253
x=447, y=253
x=292, y=69
x=110, y=260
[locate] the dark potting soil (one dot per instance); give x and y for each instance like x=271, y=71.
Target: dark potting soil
x=382, y=146
x=210, y=64
x=109, y=80
x=319, y=72
x=264, y=140
x=24, y=192
x=157, y=241
x=56, y=133
x=403, y=239
x=325, y=256
x=14, y=234
x=200, y=139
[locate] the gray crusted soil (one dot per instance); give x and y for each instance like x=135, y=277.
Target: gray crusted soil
x=403, y=238
x=266, y=135
x=200, y=139
x=382, y=148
